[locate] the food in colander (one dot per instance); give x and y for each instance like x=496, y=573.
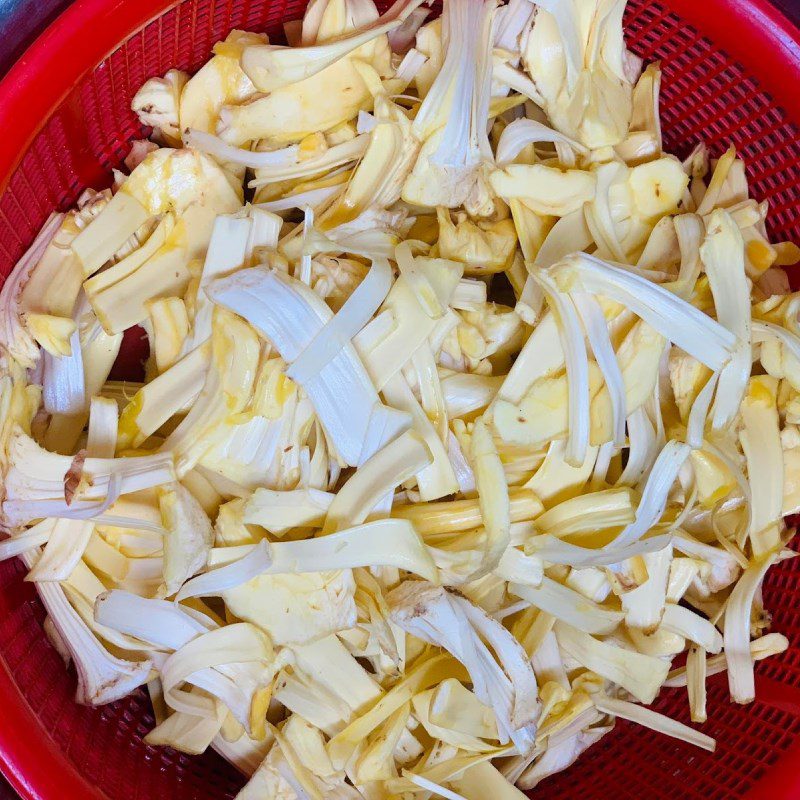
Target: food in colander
x=470, y=421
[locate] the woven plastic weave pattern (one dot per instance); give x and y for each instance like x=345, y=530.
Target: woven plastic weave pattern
x=705, y=95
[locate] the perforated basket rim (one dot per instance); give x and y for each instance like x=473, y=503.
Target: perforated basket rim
x=752, y=31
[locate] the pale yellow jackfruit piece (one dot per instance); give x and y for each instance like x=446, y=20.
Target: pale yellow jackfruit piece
x=327, y=19
x=54, y=285
x=376, y=762
x=190, y=190
x=451, y=730
x=711, y=196
x=639, y=356
x=657, y=187
x=484, y=780
x=447, y=517
x=431, y=185
x=546, y=190
x=761, y=443
x=334, y=278
x=429, y=43
x=575, y=56
x=713, y=479
x=318, y=103
x=662, y=251
x=555, y=480
x=492, y=332
x=485, y=247
x=221, y=81
x=534, y=230
x=790, y=407
x=780, y=363
x=772, y=309
x=173, y=180
x=309, y=745
x=165, y=181
x=343, y=132
x=156, y=104
x=542, y=415
x=687, y=377
x=790, y=441
x=154, y=403
x=318, y=193
x=272, y=389
x=296, y=609
x=163, y=232
x=759, y=254
x=170, y=326
x=609, y=215
x=226, y=391
x=584, y=516
x=120, y=300
x=272, y=67
x=188, y=536
x=643, y=141
x=734, y=189
x=332, y=19
x=378, y=179
x=204, y=492
x=230, y=529
x=312, y=146
x=268, y=780
x=51, y=332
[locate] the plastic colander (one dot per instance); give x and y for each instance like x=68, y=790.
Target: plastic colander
x=731, y=75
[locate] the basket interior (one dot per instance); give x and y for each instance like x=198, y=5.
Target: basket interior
x=705, y=95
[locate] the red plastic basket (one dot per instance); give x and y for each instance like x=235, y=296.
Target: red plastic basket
x=65, y=122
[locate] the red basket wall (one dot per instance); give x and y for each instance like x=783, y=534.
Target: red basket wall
x=51, y=748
